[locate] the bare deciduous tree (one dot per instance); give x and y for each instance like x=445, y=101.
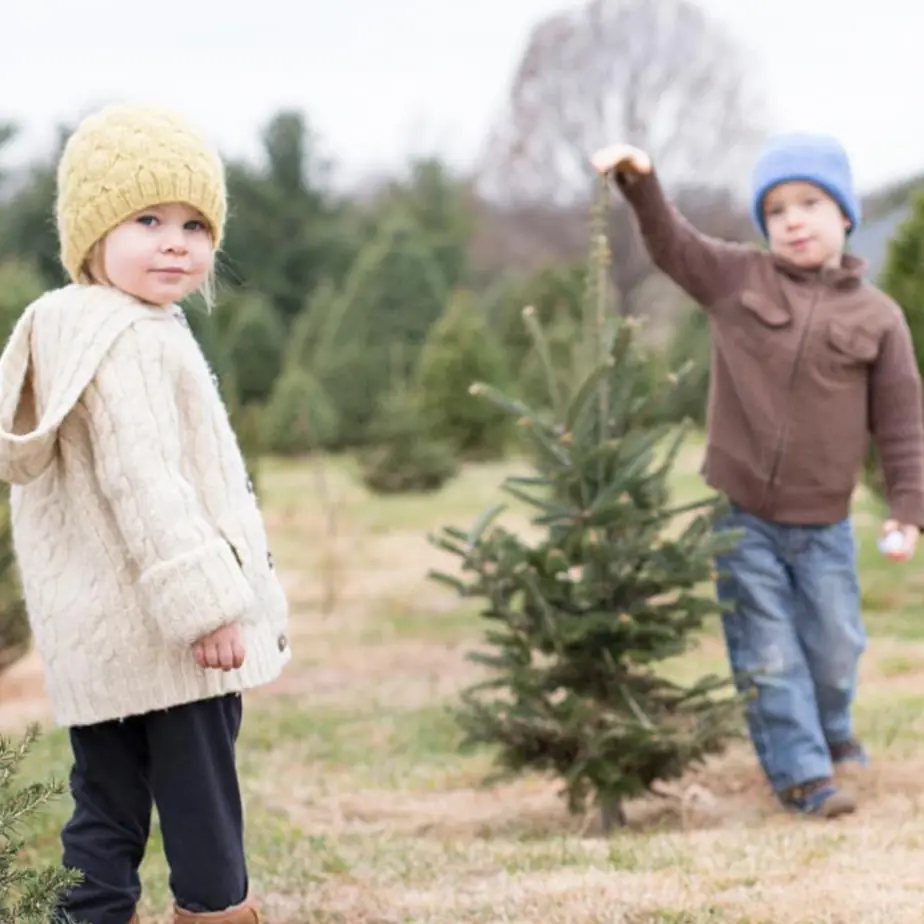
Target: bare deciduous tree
x=655, y=73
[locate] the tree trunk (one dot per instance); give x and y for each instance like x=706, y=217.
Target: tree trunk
x=612, y=814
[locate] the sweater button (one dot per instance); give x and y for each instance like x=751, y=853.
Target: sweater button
x=283, y=642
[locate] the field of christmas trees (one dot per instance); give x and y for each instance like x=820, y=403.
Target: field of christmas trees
x=509, y=700
x=586, y=600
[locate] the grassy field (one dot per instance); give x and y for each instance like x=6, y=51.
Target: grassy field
x=362, y=810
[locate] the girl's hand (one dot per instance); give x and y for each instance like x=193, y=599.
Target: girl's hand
x=621, y=158
x=221, y=649
x=909, y=537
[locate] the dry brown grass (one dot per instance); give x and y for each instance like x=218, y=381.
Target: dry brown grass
x=362, y=810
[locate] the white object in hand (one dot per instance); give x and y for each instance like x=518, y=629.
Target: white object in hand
x=620, y=157
x=892, y=543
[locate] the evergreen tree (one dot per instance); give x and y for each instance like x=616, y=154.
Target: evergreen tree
x=27, y=895
x=582, y=617
x=287, y=229
x=691, y=342
x=26, y=232
x=460, y=350
x=555, y=292
x=439, y=203
x=561, y=334
x=206, y=328
x=247, y=423
x=15, y=634
x=402, y=456
x=300, y=416
x=311, y=339
x=255, y=345
x=20, y=284
x=392, y=295
x=902, y=278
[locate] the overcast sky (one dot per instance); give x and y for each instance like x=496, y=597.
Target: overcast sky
x=380, y=79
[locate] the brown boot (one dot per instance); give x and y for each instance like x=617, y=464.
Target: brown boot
x=820, y=798
x=245, y=913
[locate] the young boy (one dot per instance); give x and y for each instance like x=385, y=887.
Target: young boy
x=809, y=359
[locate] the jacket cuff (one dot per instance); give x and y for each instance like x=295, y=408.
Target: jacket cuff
x=196, y=593
x=908, y=510
x=643, y=191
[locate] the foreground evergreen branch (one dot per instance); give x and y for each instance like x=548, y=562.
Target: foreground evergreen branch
x=27, y=895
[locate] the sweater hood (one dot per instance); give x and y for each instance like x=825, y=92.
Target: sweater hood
x=67, y=332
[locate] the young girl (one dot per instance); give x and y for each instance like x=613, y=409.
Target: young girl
x=144, y=560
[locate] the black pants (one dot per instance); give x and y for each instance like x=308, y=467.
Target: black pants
x=183, y=761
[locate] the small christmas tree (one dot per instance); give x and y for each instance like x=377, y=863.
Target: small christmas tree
x=246, y=422
x=300, y=417
x=460, y=348
x=403, y=457
x=581, y=618
x=20, y=284
x=28, y=895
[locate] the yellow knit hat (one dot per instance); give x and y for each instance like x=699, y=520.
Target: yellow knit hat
x=123, y=159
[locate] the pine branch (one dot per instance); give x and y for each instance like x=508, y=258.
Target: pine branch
x=27, y=895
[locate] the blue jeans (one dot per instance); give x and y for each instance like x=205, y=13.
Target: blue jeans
x=794, y=636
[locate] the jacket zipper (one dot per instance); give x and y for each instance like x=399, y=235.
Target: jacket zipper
x=790, y=385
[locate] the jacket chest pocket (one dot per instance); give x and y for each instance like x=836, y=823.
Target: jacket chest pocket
x=760, y=326
x=847, y=352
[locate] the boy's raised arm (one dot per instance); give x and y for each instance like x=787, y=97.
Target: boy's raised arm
x=706, y=268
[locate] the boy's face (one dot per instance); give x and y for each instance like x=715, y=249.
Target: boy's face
x=805, y=225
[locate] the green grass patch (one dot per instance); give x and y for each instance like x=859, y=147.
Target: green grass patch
x=429, y=624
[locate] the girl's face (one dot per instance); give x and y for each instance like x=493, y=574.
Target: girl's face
x=159, y=255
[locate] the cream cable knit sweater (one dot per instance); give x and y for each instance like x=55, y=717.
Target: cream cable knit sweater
x=135, y=529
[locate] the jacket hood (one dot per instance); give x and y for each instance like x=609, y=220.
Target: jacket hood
x=75, y=326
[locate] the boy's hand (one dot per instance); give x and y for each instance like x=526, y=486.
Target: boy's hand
x=908, y=533
x=621, y=158
x=221, y=649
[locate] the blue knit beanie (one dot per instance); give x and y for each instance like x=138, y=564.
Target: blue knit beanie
x=818, y=159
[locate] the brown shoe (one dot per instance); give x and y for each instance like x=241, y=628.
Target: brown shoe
x=245, y=913
x=820, y=798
